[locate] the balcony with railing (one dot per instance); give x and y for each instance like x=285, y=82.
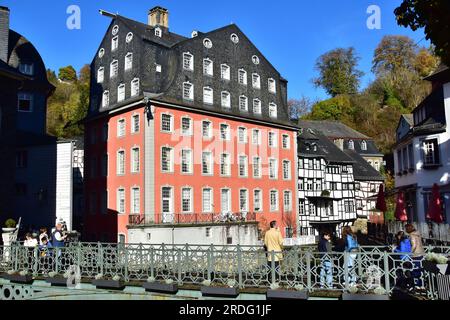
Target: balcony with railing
x=191, y=218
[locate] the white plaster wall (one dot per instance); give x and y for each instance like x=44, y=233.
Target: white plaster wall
x=64, y=182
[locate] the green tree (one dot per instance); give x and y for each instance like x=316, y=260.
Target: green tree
x=337, y=108
x=338, y=73
x=67, y=74
x=431, y=15
x=425, y=62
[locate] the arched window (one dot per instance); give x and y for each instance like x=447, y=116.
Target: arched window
x=351, y=145
x=364, y=145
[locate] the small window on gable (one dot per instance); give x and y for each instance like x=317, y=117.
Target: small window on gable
x=129, y=61
x=243, y=103
x=121, y=93
x=25, y=103
x=208, y=97
x=225, y=72
x=101, y=53
x=135, y=87
x=226, y=99
x=158, y=32
x=188, y=91
x=255, y=60
x=188, y=61
x=234, y=38
x=257, y=106
x=364, y=146
x=129, y=37
x=351, y=145
x=273, y=110
x=26, y=68
x=208, y=67
x=242, y=76
x=272, y=85
x=207, y=43
x=115, y=30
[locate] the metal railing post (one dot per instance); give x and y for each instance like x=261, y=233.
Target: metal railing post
x=36, y=261
x=152, y=262
x=57, y=253
x=126, y=263
x=100, y=257
x=239, y=265
x=346, y=275
x=272, y=265
x=210, y=261
x=308, y=270
x=387, y=283
x=79, y=256
x=180, y=266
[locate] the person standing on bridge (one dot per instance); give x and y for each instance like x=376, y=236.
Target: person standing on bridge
x=274, y=244
x=352, y=247
x=325, y=249
x=418, y=252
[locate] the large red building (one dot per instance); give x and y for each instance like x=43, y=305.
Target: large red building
x=182, y=129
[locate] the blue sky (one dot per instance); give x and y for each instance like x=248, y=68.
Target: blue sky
x=291, y=34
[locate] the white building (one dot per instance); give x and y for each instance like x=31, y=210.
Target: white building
x=422, y=155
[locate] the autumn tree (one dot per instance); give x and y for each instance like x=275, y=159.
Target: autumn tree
x=299, y=107
x=338, y=73
x=67, y=74
x=431, y=15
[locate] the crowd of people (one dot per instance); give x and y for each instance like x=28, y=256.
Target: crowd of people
x=44, y=241
x=408, y=245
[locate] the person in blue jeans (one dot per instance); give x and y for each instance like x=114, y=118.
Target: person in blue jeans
x=351, y=246
x=325, y=249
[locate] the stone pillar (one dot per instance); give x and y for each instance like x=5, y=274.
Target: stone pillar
x=7, y=238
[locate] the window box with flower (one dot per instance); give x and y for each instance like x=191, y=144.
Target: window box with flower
x=168, y=286
x=279, y=293
x=228, y=290
x=114, y=283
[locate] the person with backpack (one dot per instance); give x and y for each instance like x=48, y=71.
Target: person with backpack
x=403, y=245
x=352, y=247
x=325, y=249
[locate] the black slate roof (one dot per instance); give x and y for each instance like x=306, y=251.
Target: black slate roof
x=362, y=170
x=308, y=139
x=332, y=129
x=409, y=118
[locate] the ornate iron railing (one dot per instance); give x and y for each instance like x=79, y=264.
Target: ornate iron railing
x=250, y=267
x=191, y=218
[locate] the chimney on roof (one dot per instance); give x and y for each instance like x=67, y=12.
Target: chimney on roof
x=339, y=143
x=158, y=16
x=4, y=33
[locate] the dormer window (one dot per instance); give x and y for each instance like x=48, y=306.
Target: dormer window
x=129, y=61
x=121, y=93
x=243, y=103
x=188, y=91
x=257, y=106
x=364, y=146
x=208, y=67
x=273, y=110
x=114, y=43
x=242, y=77
x=26, y=68
x=101, y=53
x=188, y=61
x=100, y=74
x=351, y=145
x=255, y=60
x=158, y=32
x=115, y=30
x=105, y=100
x=225, y=72
x=114, y=69
x=226, y=99
x=234, y=38
x=207, y=43
x=129, y=37
x=135, y=87
x=272, y=86
x=208, y=95
x=256, y=81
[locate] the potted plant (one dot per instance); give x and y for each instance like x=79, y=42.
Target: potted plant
x=353, y=293
x=278, y=293
x=10, y=226
x=325, y=193
x=436, y=263
x=230, y=290
x=102, y=282
x=168, y=286
x=22, y=277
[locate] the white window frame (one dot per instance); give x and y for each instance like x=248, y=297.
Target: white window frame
x=189, y=97
x=188, y=61
x=286, y=141
x=114, y=43
x=170, y=199
x=226, y=164
x=135, y=128
x=158, y=32
x=273, y=110
x=135, y=208
x=243, y=103
x=257, y=143
x=229, y=203
x=121, y=92
x=256, y=81
x=351, y=145
x=288, y=208
x=242, y=139
x=257, y=106
x=135, y=87
x=191, y=124
x=121, y=128
x=257, y=166
x=114, y=71
x=120, y=163
x=189, y=161
x=274, y=207
x=272, y=85
x=241, y=209
x=105, y=99
x=211, y=200
x=242, y=77
x=121, y=191
x=101, y=75
x=289, y=168
x=135, y=164
x=245, y=158
x=225, y=72
x=227, y=132
x=226, y=99
x=162, y=123
x=210, y=164
x=273, y=143
x=208, y=67
x=190, y=198
x=275, y=168
x=261, y=197
x=209, y=133
x=171, y=160
x=129, y=61
x=208, y=95
x=26, y=68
